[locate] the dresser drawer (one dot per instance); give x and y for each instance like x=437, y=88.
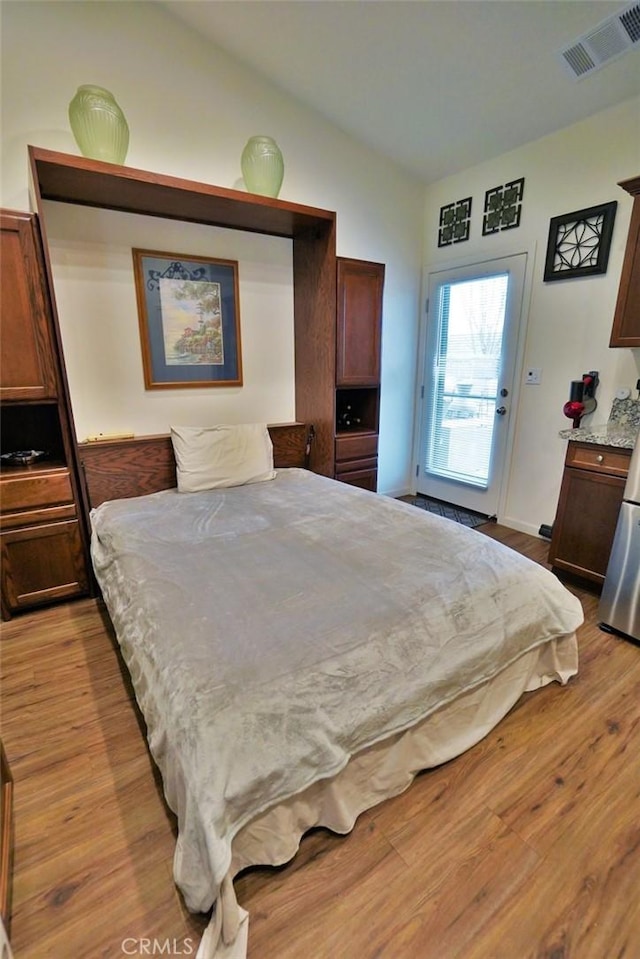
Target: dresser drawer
x=367, y=463
x=364, y=478
x=42, y=488
x=42, y=514
x=356, y=446
x=606, y=459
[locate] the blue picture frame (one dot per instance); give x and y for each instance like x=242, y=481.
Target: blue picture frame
x=189, y=317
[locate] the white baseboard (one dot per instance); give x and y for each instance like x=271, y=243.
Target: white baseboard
x=507, y=521
x=512, y=523
x=395, y=493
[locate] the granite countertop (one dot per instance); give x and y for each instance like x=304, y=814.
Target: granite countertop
x=621, y=429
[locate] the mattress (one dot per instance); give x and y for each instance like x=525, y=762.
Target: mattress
x=275, y=631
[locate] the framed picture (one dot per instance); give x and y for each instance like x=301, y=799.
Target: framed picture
x=188, y=310
x=579, y=242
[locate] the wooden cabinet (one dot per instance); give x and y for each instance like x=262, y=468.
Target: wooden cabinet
x=42, y=535
x=358, y=338
x=359, y=322
x=41, y=564
x=626, y=321
x=590, y=498
x=27, y=369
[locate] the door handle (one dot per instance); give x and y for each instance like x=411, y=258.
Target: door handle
x=501, y=410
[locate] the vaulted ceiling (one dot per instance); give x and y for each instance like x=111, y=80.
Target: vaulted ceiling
x=436, y=85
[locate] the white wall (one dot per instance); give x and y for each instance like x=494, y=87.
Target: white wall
x=92, y=265
x=191, y=108
x=568, y=321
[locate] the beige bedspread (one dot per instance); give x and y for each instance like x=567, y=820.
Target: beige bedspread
x=274, y=630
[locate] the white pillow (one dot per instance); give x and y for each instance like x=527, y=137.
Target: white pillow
x=212, y=457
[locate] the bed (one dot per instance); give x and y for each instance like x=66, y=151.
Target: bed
x=300, y=649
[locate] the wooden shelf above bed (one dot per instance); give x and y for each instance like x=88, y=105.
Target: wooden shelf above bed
x=72, y=179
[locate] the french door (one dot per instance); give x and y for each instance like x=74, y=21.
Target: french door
x=471, y=343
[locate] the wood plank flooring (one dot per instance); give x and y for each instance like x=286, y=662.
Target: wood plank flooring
x=525, y=847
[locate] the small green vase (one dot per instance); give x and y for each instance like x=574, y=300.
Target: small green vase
x=262, y=166
x=98, y=124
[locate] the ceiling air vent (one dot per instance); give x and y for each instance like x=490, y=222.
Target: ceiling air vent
x=611, y=39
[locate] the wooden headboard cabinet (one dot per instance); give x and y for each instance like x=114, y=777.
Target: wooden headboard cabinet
x=121, y=468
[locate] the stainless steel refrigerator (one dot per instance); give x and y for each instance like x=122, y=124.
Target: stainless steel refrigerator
x=619, y=609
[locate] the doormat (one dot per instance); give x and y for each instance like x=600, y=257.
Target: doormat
x=449, y=511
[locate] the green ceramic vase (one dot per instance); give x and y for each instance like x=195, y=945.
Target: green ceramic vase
x=262, y=166
x=98, y=124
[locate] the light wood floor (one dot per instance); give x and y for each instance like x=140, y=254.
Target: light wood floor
x=526, y=846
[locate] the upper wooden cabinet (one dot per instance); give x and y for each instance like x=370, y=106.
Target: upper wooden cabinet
x=27, y=367
x=359, y=322
x=626, y=321
x=358, y=339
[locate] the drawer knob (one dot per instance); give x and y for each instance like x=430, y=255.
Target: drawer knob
x=600, y=458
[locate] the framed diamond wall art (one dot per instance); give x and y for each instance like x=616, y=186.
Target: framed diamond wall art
x=455, y=222
x=503, y=207
x=579, y=242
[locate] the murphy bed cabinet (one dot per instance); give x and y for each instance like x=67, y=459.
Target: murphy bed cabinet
x=77, y=180
x=626, y=320
x=43, y=541
x=590, y=498
x=359, y=330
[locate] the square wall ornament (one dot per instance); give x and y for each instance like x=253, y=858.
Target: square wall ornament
x=579, y=242
x=503, y=207
x=455, y=222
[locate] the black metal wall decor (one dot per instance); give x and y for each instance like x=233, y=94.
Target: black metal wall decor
x=503, y=207
x=455, y=222
x=579, y=242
